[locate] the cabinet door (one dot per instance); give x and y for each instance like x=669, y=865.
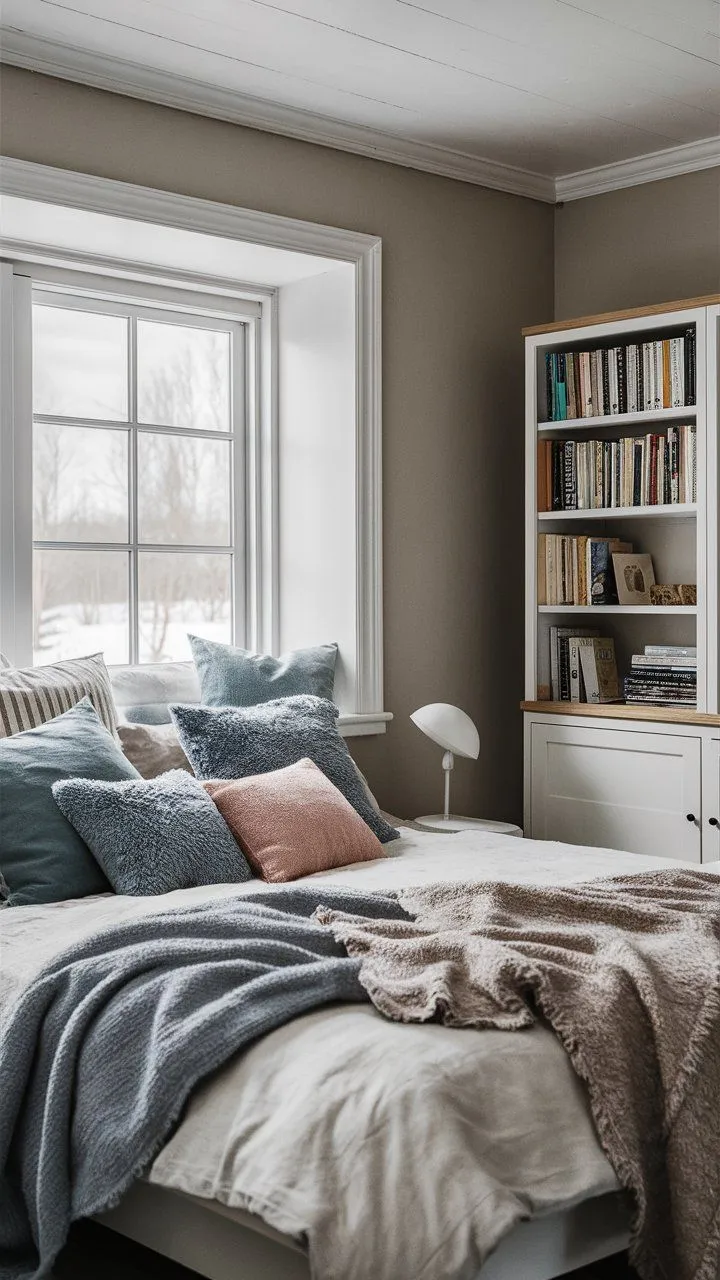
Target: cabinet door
x=617, y=789
x=711, y=800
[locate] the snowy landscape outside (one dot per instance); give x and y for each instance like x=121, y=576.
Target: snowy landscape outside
x=82, y=486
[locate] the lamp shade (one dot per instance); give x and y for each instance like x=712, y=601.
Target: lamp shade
x=450, y=727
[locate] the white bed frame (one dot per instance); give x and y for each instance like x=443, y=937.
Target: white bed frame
x=230, y=1244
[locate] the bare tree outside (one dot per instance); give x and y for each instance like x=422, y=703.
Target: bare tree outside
x=81, y=495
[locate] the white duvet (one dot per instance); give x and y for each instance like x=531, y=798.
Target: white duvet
x=397, y=1152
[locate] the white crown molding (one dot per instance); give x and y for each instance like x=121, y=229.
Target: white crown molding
x=171, y=90
x=42, y=182
x=670, y=163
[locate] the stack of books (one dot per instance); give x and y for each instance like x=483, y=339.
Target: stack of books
x=636, y=378
x=665, y=675
x=637, y=471
x=577, y=570
x=582, y=666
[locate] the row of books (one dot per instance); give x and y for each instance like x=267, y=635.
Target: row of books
x=577, y=570
x=637, y=471
x=635, y=378
x=664, y=675
x=583, y=668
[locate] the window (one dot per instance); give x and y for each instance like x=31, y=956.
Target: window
x=138, y=453
x=299, y=420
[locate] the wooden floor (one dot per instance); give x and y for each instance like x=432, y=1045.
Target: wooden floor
x=94, y=1253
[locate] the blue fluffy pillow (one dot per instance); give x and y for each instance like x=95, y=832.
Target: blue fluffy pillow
x=153, y=836
x=232, y=677
x=42, y=858
x=237, y=742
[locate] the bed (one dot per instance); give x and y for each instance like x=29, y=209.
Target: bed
x=313, y=1138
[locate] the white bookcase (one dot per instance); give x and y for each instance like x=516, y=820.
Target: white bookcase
x=634, y=777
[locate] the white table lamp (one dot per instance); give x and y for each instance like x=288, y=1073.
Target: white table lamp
x=455, y=732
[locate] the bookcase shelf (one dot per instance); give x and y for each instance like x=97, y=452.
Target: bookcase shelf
x=682, y=538
x=623, y=775
x=651, y=416
x=629, y=609
x=674, y=510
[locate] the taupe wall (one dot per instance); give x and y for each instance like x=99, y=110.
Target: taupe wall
x=464, y=269
x=651, y=243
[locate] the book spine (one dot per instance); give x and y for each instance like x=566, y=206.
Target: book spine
x=690, y=390
x=549, y=394
x=564, y=661
x=630, y=364
x=648, y=399
x=613, y=379
x=671, y=650
x=677, y=388
x=556, y=477
x=605, y=379
x=653, y=495
x=541, y=476
x=574, y=663
x=637, y=473
x=665, y=662
x=620, y=353
x=570, y=363
x=554, y=665
x=569, y=477
x=587, y=394
x=590, y=674
x=561, y=387
x=550, y=592
x=666, y=389
x=657, y=375
x=596, y=382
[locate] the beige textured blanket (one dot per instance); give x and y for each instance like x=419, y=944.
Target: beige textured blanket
x=627, y=972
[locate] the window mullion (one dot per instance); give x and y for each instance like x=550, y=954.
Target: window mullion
x=134, y=602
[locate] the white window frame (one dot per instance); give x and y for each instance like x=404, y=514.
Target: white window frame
x=68, y=290
x=161, y=306
x=364, y=713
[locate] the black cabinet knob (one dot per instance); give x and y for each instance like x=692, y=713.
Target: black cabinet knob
x=714, y=822
x=690, y=817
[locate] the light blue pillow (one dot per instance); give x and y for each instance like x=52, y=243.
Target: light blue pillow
x=231, y=677
x=237, y=742
x=153, y=836
x=42, y=857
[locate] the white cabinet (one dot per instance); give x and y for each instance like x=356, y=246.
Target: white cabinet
x=711, y=798
x=632, y=789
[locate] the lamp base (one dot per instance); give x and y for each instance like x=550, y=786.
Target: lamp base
x=454, y=823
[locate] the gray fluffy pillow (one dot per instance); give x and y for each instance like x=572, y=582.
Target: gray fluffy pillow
x=153, y=836
x=237, y=742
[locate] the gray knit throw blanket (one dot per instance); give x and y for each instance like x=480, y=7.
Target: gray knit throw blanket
x=627, y=972
x=101, y=1051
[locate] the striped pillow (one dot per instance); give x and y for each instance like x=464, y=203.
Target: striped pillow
x=31, y=695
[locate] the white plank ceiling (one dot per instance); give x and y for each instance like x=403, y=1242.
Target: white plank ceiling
x=547, y=86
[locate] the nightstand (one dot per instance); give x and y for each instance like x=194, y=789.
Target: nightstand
x=436, y=822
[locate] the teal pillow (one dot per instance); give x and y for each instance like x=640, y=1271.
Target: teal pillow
x=231, y=677
x=42, y=858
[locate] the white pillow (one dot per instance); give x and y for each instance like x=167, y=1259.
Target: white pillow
x=142, y=693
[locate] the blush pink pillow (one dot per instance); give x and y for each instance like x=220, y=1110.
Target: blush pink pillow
x=293, y=821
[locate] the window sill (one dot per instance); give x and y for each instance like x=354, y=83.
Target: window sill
x=362, y=724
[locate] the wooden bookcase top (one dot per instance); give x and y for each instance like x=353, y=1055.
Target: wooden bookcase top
x=631, y=313
x=619, y=711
